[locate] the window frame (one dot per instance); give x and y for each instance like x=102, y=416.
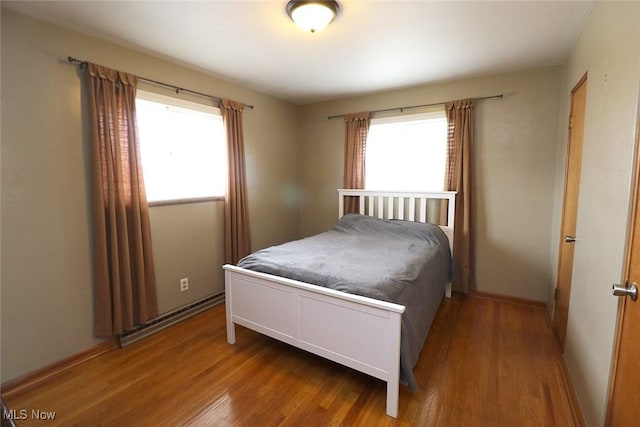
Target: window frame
x=402, y=118
x=148, y=95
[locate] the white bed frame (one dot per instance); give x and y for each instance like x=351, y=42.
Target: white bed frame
x=358, y=332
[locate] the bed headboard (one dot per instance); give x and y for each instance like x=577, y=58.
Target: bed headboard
x=408, y=206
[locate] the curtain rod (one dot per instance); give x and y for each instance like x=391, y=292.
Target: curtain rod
x=417, y=106
x=81, y=63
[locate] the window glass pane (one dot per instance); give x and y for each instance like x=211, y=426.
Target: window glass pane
x=407, y=153
x=183, y=150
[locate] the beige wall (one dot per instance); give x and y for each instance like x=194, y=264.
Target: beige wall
x=187, y=243
x=609, y=50
x=516, y=166
x=46, y=280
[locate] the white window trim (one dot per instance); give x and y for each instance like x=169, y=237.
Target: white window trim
x=409, y=118
x=177, y=102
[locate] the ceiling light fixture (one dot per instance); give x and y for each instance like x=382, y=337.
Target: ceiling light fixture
x=312, y=16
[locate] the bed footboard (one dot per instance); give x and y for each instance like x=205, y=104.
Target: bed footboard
x=358, y=332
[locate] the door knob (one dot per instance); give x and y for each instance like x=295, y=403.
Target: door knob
x=624, y=290
x=569, y=239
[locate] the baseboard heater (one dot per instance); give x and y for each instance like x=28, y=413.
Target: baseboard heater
x=171, y=318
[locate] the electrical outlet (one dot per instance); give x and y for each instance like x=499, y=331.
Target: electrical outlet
x=184, y=284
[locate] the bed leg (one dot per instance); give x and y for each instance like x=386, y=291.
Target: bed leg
x=393, y=389
x=231, y=328
x=393, y=380
x=447, y=290
x=231, y=333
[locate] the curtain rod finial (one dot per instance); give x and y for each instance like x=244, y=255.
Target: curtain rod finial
x=72, y=60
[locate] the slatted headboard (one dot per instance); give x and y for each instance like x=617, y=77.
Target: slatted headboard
x=408, y=206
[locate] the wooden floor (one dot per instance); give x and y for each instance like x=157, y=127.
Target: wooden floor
x=485, y=363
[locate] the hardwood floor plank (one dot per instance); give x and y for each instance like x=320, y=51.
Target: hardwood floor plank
x=484, y=363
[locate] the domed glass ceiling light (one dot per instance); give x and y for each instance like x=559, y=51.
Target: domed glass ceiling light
x=312, y=16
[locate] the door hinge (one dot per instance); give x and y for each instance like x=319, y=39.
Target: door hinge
x=555, y=294
x=570, y=122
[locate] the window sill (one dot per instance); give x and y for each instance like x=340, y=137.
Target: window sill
x=185, y=201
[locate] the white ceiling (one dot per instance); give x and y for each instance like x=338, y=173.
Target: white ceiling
x=371, y=46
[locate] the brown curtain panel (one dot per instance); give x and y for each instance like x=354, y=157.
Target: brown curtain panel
x=236, y=214
x=124, y=278
x=458, y=177
x=357, y=128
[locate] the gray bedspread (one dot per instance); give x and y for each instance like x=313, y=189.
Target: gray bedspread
x=403, y=262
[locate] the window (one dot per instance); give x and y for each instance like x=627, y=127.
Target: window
x=183, y=148
x=407, y=153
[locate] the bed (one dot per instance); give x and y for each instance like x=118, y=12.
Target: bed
x=377, y=334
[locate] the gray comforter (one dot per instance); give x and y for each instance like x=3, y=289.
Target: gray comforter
x=403, y=262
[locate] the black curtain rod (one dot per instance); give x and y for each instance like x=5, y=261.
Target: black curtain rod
x=76, y=61
x=417, y=106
